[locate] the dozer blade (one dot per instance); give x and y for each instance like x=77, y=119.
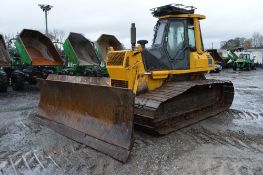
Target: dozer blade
x=178, y=104
x=85, y=109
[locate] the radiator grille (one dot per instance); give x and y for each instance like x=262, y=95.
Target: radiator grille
x=116, y=58
x=119, y=83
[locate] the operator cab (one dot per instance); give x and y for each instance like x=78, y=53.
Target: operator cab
x=246, y=56
x=174, y=39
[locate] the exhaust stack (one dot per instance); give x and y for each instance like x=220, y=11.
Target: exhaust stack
x=133, y=35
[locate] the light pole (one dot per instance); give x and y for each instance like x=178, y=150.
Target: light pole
x=46, y=9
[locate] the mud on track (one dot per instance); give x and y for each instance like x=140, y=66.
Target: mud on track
x=229, y=143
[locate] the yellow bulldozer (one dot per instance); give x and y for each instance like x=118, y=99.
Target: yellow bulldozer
x=158, y=89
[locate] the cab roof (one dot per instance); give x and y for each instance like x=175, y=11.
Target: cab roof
x=176, y=11
x=172, y=9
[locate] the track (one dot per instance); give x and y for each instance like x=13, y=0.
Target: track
x=179, y=104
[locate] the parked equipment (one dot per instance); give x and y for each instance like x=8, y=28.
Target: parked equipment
x=232, y=57
x=218, y=60
x=244, y=62
x=4, y=64
x=103, y=43
x=159, y=89
x=39, y=58
x=83, y=59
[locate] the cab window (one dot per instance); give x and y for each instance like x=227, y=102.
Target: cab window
x=175, y=38
x=159, y=34
x=191, y=36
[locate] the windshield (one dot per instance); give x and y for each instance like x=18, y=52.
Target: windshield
x=175, y=38
x=245, y=56
x=159, y=34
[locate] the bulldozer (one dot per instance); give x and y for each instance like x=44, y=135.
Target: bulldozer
x=158, y=90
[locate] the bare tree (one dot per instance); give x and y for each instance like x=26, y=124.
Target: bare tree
x=260, y=41
x=57, y=35
x=223, y=44
x=233, y=43
x=8, y=37
x=257, y=40
x=248, y=43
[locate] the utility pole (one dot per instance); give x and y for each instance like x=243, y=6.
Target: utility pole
x=46, y=9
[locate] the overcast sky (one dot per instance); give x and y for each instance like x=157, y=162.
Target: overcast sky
x=225, y=18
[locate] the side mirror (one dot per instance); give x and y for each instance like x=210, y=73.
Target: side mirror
x=142, y=43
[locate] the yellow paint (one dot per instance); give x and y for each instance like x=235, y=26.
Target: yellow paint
x=132, y=70
x=198, y=39
x=200, y=17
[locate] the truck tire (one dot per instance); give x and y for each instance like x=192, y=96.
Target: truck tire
x=234, y=67
x=17, y=81
x=33, y=81
x=3, y=82
x=248, y=67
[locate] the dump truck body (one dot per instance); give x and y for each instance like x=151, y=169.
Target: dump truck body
x=82, y=56
x=4, y=55
x=35, y=49
x=38, y=58
x=4, y=63
x=218, y=59
x=103, y=43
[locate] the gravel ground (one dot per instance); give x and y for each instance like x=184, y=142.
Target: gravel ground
x=229, y=143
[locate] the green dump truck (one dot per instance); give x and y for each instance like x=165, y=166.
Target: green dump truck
x=38, y=57
x=87, y=58
x=82, y=57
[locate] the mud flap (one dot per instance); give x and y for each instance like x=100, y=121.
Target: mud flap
x=96, y=115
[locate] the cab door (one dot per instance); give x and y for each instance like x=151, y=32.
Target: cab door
x=176, y=44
